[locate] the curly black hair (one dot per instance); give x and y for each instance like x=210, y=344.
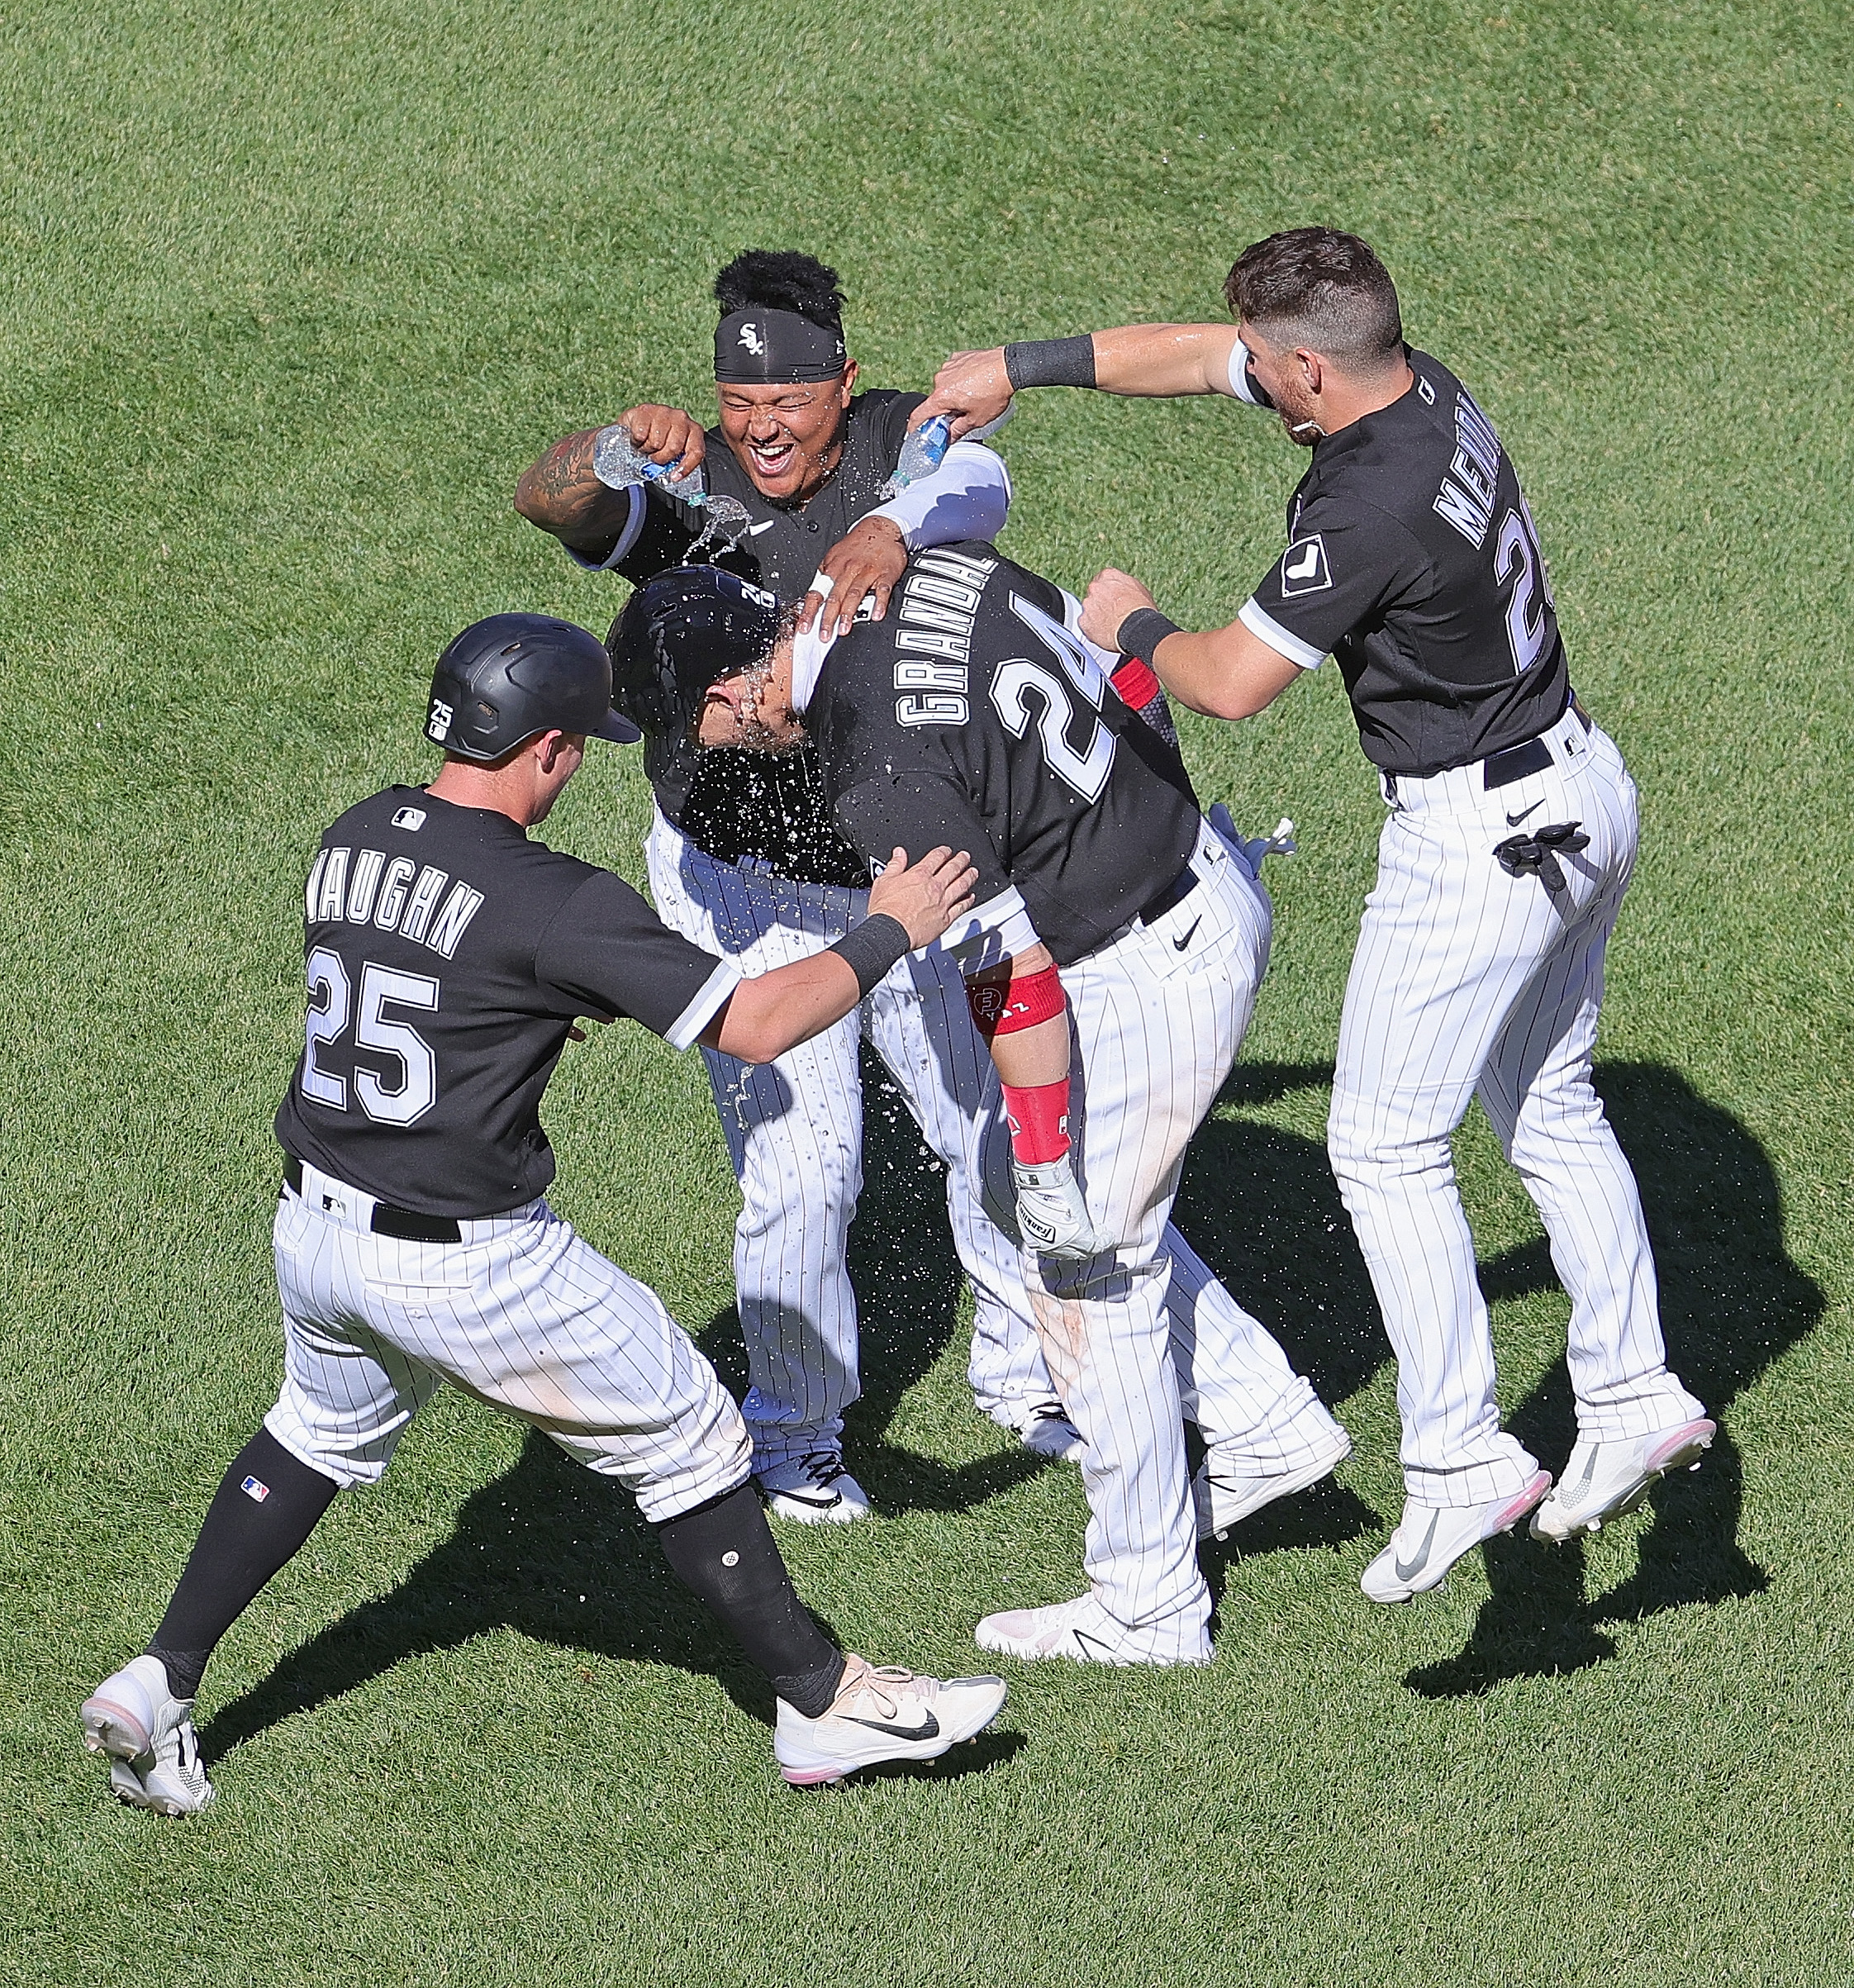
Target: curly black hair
x=781, y=279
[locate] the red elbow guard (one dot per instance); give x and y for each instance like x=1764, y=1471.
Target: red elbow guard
x=1002, y=1010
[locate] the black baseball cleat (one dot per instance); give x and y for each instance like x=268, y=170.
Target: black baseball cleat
x=882, y=1715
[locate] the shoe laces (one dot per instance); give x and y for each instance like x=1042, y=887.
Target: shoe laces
x=823, y=1467
x=887, y=1683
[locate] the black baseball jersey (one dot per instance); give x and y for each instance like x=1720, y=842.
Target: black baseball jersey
x=1412, y=559
x=448, y=955
x=737, y=805
x=975, y=715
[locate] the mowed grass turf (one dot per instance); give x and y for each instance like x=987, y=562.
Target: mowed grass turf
x=291, y=295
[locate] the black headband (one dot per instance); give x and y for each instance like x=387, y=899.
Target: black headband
x=758, y=347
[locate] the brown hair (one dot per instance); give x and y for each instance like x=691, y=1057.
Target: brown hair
x=1322, y=289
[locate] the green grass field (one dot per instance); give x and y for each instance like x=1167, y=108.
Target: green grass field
x=291, y=295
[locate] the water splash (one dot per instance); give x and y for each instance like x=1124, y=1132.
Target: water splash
x=725, y=525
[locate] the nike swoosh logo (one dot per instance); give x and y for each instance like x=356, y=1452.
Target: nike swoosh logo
x=822, y=1503
x=1404, y=1573
x=1514, y=820
x=928, y=1727
x=1178, y=945
x=1089, y=1645
x=755, y=530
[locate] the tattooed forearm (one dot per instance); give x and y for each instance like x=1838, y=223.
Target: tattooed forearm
x=560, y=494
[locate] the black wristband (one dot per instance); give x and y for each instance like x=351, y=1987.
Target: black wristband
x=870, y=949
x=1142, y=632
x=1051, y=361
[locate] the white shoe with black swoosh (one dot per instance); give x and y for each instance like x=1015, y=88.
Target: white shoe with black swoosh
x=881, y=1714
x=1081, y=1631
x=814, y=1489
x=148, y=1734
x=1430, y=1538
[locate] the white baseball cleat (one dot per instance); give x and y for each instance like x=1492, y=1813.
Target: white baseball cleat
x=1603, y=1480
x=1044, y=1427
x=153, y=1752
x=1430, y=1538
x=814, y=1489
x=882, y=1715
x=1226, y=1492
x=1082, y=1632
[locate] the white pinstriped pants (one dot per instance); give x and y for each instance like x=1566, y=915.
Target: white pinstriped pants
x=794, y=1130
x=1468, y=980
x=521, y=1314
x=1142, y=1338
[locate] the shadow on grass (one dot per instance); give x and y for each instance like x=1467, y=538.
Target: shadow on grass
x=1261, y=1206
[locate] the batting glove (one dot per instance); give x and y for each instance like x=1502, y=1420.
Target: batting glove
x=1252, y=848
x=1051, y=1214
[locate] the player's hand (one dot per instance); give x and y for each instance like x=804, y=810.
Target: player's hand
x=971, y=386
x=1052, y=1215
x=1111, y=596
x=576, y=1034
x=869, y=558
x=666, y=434
x=926, y=895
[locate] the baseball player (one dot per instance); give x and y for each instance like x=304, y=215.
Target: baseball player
x=744, y=861
x=447, y=957
x=1413, y=559
x=1116, y=933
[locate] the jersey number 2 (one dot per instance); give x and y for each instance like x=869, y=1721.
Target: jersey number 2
x=1085, y=771
x=330, y=997
x=1516, y=558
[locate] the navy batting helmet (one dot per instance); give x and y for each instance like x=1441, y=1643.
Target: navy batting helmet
x=512, y=677
x=689, y=628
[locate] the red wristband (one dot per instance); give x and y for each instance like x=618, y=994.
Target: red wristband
x=1001, y=1010
x=1039, y=1116
x=1135, y=682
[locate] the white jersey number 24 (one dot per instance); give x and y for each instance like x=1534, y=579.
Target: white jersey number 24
x=1085, y=770
x=332, y=998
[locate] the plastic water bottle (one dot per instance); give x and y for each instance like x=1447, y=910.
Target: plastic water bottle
x=922, y=453
x=618, y=463
x=925, y=449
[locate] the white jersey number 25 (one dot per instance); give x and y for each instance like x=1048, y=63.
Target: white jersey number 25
x=332, y=998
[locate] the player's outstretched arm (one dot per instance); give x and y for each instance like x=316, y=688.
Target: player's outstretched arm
x=1227, y=672
x=560, y=494
x=1148, y=361
x=911, y=905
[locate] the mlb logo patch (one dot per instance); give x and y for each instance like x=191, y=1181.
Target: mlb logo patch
x=254, y=1490
x=1303, y=568
x=411, y=818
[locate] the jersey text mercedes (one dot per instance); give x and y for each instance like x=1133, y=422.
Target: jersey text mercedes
x=1412, y=559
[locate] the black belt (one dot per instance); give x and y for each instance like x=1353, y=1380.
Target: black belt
x=406, y=1222
x=1174, y=894
x=1502, y=769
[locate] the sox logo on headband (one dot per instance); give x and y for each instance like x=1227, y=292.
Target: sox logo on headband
x=755, y=347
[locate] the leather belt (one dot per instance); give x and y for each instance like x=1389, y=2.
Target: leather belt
x=1174, y=894
x=406, y=1223
x=1502, y=769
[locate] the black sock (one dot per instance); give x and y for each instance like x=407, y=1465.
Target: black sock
x=724, y=1550
x=266, y=1506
